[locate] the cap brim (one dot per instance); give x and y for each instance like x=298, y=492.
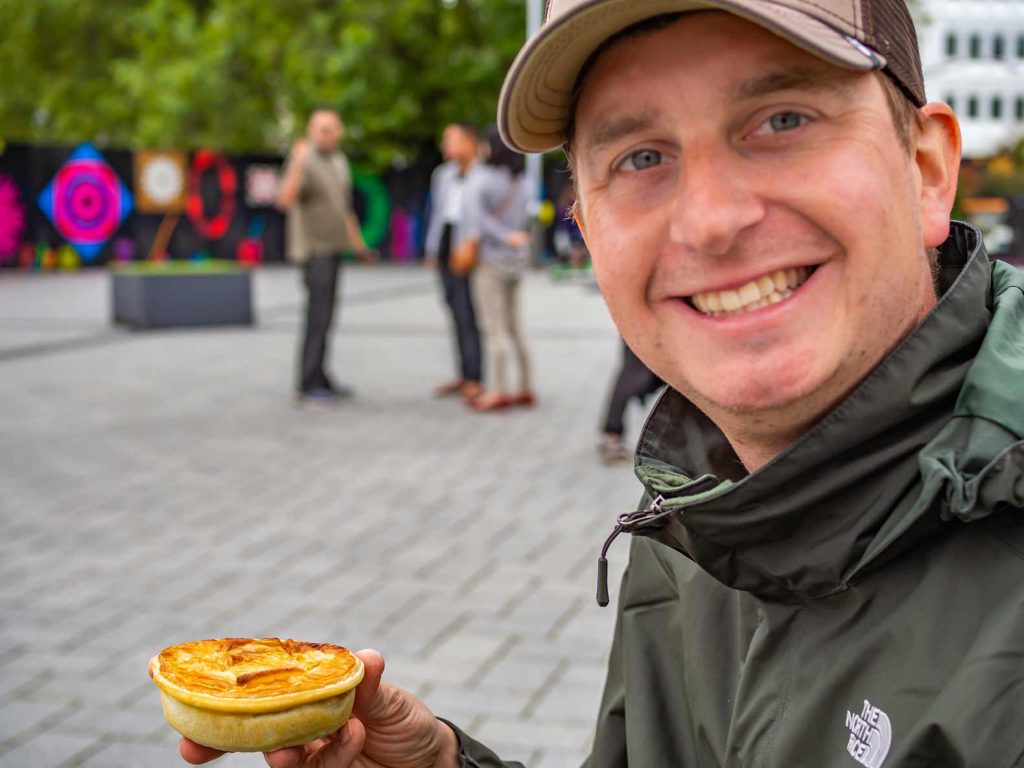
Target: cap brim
x=534, y=102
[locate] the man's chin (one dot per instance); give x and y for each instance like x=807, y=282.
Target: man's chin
x=763, y=396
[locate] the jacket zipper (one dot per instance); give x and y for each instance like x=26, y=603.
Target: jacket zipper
x=630, y=521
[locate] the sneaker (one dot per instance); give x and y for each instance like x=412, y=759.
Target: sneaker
x=611, y=449
x=324, y=395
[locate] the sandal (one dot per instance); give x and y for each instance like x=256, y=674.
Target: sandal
x=525, y=399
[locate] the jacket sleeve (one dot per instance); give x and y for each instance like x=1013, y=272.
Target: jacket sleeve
x=433, y=239
x=479, y=209
x=473, y=754
x=609, y=750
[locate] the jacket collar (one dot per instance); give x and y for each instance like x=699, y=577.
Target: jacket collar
x=887, y=466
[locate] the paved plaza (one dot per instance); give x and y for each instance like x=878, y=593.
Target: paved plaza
x=157, y=487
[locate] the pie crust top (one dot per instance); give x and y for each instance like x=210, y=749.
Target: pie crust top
x=254, y=675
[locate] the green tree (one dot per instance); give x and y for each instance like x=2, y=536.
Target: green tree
x=243, y=75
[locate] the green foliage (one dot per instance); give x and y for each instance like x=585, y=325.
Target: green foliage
x=243, y=75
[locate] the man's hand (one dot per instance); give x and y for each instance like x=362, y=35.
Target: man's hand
x=368, y=255
x=292, y=181
x=389, y=728
x=300, y=152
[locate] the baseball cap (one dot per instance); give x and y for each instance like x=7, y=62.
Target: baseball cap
x=861, y=35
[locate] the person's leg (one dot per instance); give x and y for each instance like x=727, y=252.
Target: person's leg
x=448, y=290
x=487, y=288
x=320, y=277
x=468, y=330
x=515, y=330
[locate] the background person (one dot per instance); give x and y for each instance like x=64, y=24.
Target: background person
x=496, y=219
x=460, y=149
x=634, y=379
x=316, y=195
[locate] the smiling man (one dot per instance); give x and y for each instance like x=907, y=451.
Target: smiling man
x=826, y=568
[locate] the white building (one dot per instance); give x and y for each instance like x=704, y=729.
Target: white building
x=972, y=52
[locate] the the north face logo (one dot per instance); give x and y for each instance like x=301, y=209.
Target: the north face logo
x=870, y=736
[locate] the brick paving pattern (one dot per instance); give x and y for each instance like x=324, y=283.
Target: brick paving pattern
x=157, y=487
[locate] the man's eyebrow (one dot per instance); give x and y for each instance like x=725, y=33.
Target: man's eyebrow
x=613, y=129
x=795, y=78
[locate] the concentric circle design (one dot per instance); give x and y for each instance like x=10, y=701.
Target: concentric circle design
x=86, y=201
x=163, y=181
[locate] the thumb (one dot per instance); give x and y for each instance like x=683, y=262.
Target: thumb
x=368, y=691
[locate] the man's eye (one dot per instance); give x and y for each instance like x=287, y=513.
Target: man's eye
x=785, y=121
x=641, y=160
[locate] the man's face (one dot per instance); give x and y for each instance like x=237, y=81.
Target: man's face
x=458, y=145
x=753, y=219
x=325, y=130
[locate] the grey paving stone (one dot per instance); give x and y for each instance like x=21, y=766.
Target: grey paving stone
x=544, y=735
x=48, y=749
x=19, y=717
x=129, y=755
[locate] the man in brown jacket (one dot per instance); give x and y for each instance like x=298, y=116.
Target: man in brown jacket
x=316, y=194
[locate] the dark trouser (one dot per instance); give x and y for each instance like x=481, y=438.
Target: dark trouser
x=459, y=297
x=320, y=275
x=634, y=380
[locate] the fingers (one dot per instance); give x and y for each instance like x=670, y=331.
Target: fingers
x=343, y=751
x=289, y=757
x=197, y=754
x=367, y=690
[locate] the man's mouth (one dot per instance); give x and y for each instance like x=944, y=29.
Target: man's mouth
x=761, y=292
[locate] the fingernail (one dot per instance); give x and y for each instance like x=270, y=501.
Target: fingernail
x=346, y=734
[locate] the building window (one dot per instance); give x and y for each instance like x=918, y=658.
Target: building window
x=951, y=45
x=972, y=106
x=951, y=100
x=997, y=107
x=1020, y=46
x=998, y=43
x=1018, y=108
x=975, y=46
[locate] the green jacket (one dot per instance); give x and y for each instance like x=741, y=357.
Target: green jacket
x=860, y=599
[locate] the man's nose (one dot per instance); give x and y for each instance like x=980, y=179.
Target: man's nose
x=714, y=203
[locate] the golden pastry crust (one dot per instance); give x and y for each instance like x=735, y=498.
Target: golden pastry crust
x=254, y=695
x=255, y=675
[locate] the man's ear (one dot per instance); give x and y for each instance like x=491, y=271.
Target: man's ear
x=937, y=156
x=577, y=216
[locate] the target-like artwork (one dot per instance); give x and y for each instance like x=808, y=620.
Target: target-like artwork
x=216, y=226
x=262, y=183
x=86, y=201
x=161, y=181
x=12, y=219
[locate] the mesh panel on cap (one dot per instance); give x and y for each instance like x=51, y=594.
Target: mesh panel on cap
x=890, y=31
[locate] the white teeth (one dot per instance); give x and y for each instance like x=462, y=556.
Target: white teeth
x=730, y=300
x=749, y=294
x=761, y=292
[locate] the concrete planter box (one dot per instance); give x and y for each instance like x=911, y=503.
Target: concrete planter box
x=180, y=294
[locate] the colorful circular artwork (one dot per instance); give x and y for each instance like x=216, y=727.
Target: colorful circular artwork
x=12, y=219
x=86, y=201
x=262, y=183
x=216, y=226
x=160, y=181
x=163, y=180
